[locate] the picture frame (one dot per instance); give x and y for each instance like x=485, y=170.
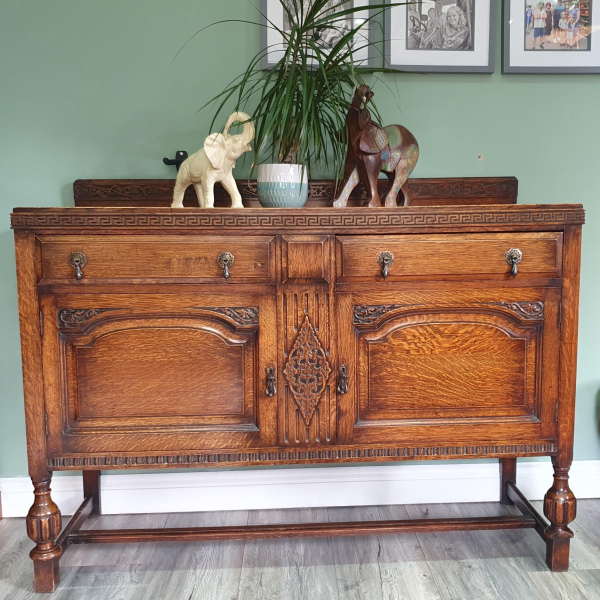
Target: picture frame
x=272, y=41
x=566, y=50
x=420, y=37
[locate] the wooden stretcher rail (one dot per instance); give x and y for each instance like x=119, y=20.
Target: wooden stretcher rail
x=249, y=532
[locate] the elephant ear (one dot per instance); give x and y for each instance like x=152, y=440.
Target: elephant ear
x=214, y=146
x=373, y=139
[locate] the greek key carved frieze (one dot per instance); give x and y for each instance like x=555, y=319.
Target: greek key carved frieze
x=305, y=219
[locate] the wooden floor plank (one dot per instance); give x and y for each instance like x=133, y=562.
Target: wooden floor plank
x=290, y=569
x=198, y=570
x=588, y=518
x=573, y=585
x=90, y=555
x=454, y=557
x=481, y=565
x=508, y=565
x=386, y=567
x=16, y=568
x=585, y=553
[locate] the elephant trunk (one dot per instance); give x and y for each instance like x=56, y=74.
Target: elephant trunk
x=248, y=128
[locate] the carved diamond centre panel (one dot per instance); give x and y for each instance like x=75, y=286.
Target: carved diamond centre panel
x=307, y=371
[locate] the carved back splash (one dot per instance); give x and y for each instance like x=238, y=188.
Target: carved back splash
x=424, y=192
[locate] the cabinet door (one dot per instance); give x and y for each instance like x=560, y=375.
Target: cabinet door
x=438, y=369
x=157, y=374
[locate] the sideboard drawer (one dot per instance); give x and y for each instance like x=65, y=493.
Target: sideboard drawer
x=448, y=256
x=159, y=258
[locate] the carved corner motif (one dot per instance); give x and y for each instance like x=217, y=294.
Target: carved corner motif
x=368, y=314
x=70, y=318
x=307, y=371
x=242, y=315
x=526, y=310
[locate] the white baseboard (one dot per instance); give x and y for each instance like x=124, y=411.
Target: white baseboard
x=300, y=487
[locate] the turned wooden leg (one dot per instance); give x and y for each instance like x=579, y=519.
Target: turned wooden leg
x=91, y=487
x=508, y=472
x=43, y=526
x=560, y=508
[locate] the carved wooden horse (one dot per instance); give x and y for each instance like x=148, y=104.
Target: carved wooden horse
x=372, y=149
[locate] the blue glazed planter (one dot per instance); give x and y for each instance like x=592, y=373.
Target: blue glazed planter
x=282, y=186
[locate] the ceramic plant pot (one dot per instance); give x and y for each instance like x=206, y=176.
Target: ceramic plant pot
x=282, y=186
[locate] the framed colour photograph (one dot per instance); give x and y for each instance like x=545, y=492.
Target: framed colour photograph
x=443, y=36
x=557, y=36
x=272, y=42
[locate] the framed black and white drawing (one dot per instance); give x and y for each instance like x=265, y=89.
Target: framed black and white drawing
x=443, y=36
x=551, y=37
x=272, y=42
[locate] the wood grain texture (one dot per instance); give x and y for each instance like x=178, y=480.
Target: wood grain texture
x=447, y=341
x=157, y=359
x=198, y=570
x=306, y=259
x=169, y=258
x=381, y=567
x=286, y=568
x=461, y=365
x=467, y=256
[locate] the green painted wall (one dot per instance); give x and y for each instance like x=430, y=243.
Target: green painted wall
x=90, y=90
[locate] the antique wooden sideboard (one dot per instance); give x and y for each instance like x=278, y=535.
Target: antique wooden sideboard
x=159, y=338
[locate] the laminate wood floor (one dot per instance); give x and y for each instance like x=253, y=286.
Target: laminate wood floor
x=482, y=565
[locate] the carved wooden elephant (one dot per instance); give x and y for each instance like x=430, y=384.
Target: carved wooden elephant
x=215, y=162
x=372, y=149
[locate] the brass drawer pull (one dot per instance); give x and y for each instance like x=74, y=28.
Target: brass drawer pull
x=342, y=387
x=78, y=260
x=513, y=257
x=225, y=261
x=271, y=388
x=385, y=260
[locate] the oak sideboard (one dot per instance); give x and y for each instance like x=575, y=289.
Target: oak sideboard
x=158, y=338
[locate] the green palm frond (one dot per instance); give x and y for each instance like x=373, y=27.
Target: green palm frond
x=300, y=104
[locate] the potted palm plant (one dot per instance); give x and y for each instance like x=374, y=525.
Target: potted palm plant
x=299, y=105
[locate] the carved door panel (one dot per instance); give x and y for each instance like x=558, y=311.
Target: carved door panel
x=158, y=374
x=307, y=396
x=449, y=368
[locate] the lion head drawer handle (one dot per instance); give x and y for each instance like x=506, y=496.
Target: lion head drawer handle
x=385, y=260
x=342, y=387
x=78, y=260
x=225, y=261
x=513, y=257
x=271, y=388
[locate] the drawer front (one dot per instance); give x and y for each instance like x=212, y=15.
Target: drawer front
x=170, y=257
x=447, y=255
